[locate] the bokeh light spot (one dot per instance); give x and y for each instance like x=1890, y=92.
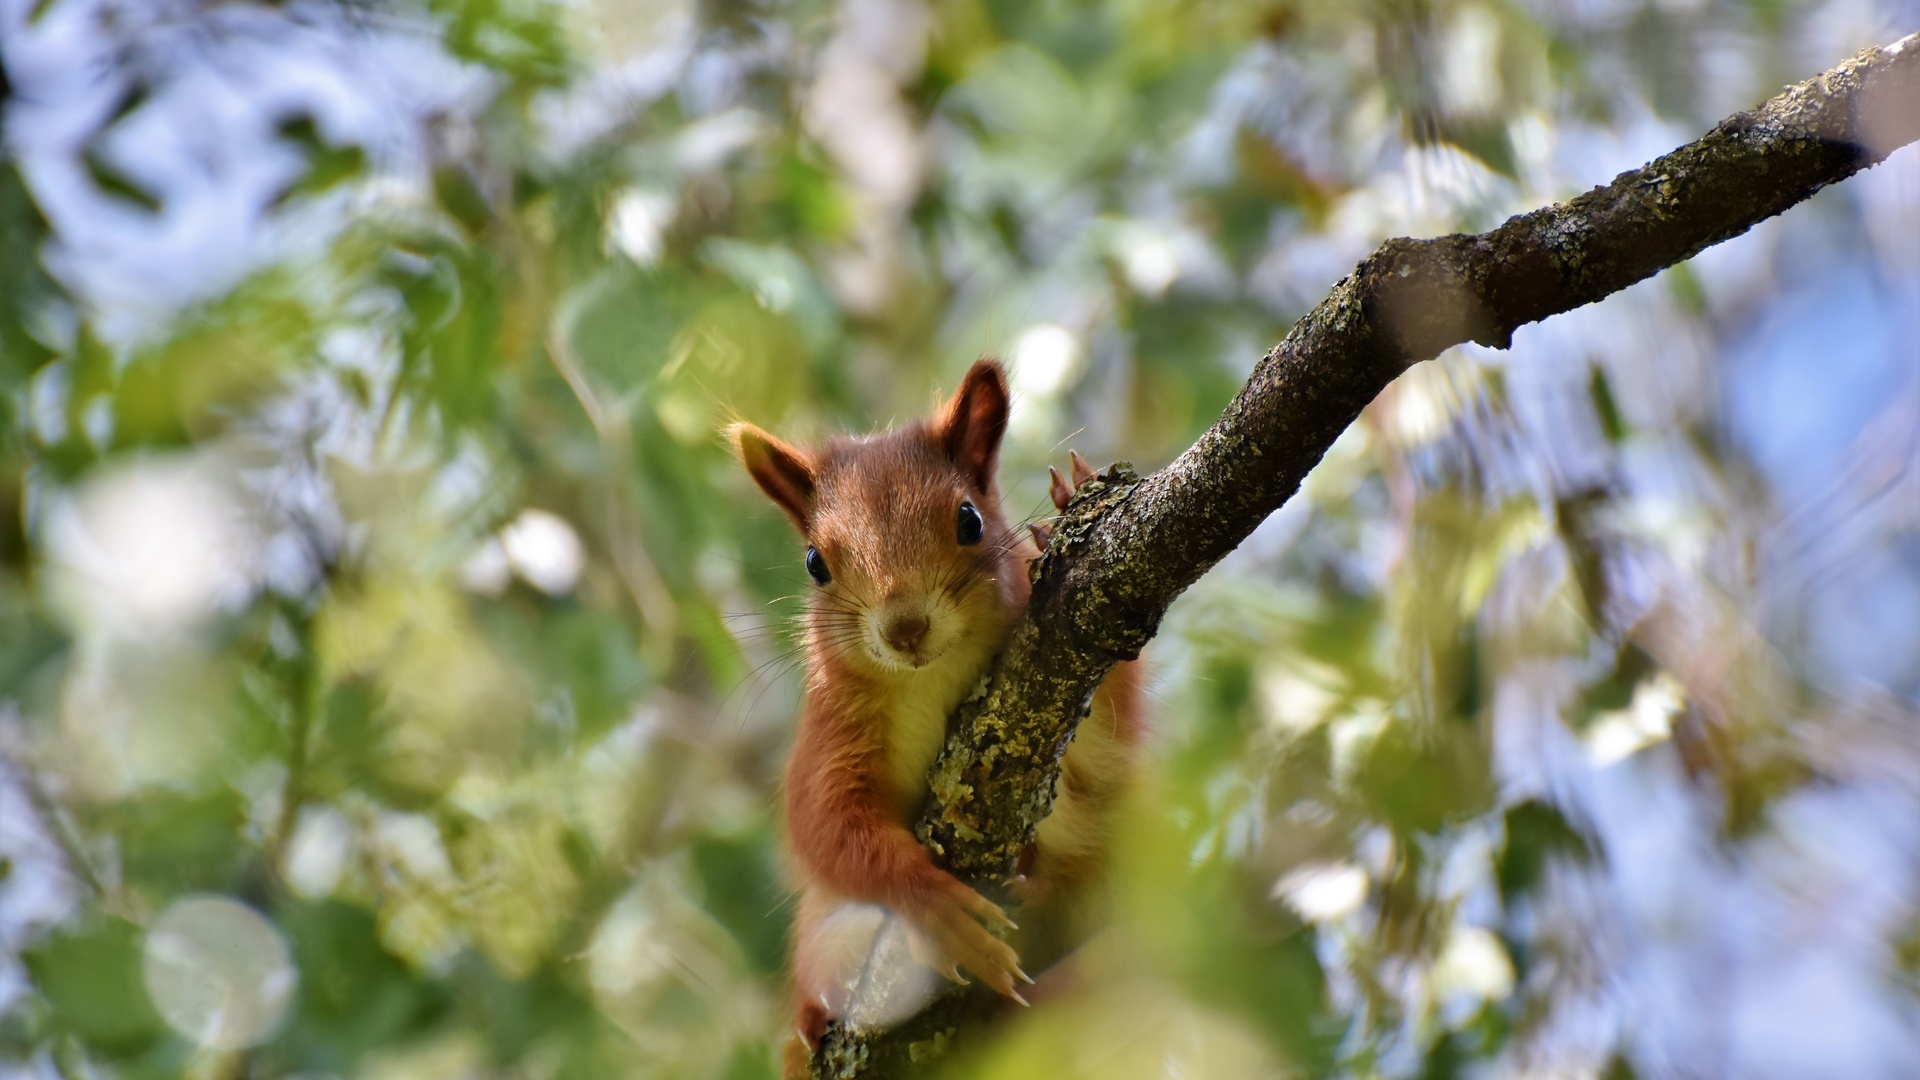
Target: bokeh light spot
x=545, y=551
x=218, y=972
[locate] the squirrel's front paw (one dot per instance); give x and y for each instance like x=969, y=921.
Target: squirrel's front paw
x=1057, y=488
x=1061, y=493
x=948, y=936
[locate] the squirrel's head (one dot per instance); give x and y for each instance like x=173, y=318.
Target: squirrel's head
x=909, y=554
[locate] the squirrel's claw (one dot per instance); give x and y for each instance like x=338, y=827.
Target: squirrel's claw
x=1057, y=486
x=1057, y=489
x=1082, y=472
x=1042, y=534
x=987, y=911
x=929, y=952
x=949, y=936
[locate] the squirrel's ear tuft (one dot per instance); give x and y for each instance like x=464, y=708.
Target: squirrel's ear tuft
x=971, y=426
x=782, y=471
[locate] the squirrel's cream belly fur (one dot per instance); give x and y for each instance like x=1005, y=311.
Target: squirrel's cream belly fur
x=917, y=720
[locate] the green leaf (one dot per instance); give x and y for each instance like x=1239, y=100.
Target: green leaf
x=1422, y=781
x=113, y=181
x=353, y=997
x=91, y=976
x=741, y=888
x=175, y=842
x=1536, y=833
x=1604, y=405
x=328, y=165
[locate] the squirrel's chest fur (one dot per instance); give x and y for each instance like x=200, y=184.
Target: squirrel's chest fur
x=913, y=721
x=896, y=724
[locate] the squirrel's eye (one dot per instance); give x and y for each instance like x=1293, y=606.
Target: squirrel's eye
x=817, y=566
x=970, y=524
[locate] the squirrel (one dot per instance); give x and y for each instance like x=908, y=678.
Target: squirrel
x=918, y=580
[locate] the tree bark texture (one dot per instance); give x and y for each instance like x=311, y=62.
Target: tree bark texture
x=1128, y=546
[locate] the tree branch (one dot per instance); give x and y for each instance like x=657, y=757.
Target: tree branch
x=1128, y=546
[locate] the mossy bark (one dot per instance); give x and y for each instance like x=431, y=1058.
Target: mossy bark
x=1127, y=546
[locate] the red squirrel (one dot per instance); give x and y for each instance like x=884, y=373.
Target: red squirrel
x=918, y=580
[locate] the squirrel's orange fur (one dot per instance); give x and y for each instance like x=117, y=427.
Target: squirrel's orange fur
x=904, y=628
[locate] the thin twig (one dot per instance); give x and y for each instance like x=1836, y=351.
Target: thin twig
x=630, y=557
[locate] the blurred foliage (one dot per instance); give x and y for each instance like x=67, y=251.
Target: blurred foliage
x=401, y=588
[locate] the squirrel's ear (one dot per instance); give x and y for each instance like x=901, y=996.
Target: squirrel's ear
x=782, y=471
x=970, y=427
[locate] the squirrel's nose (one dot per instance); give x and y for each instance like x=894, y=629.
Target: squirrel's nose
x=904, y=631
